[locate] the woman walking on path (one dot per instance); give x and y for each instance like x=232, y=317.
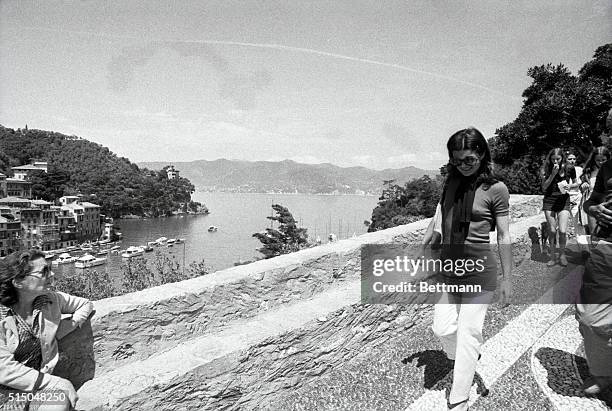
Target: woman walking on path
x=557, y=179
x=30, y=325
x=594, y=313
x=598, y=156
x=575, y=194
x=473, y=203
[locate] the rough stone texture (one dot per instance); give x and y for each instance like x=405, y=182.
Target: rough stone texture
x=125, y=335
x=138, y=325
x=252, y=378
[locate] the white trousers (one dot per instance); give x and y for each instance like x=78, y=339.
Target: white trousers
x=458, y=324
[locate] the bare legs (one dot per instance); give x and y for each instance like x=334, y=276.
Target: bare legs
x=557, y=222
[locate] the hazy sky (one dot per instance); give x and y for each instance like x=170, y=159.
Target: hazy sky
x=374, y=83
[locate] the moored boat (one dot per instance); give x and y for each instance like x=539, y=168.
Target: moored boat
x=89, y=260
x=64, y=258
x=132, y=251
x=212, y=229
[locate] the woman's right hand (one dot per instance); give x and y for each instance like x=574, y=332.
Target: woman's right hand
x=555, y=169
x=584, y=186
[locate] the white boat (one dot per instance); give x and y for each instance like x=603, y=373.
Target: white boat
x=179, y=241
x=152, y=243
x=147, y=248
x=161, y=240
x=64, y=258
x=212, y=229
x=132, y=252
x=89, y=260
x=171, y=242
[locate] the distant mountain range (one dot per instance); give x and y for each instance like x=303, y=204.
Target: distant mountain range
x=288, y=176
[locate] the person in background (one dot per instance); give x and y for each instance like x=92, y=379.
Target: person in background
x=596, y=159
x=473, y=203
x=594, y=311
x=30, y=325
x=557, y=178
x=575, y=194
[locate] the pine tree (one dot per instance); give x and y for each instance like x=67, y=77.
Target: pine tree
x=286, y=239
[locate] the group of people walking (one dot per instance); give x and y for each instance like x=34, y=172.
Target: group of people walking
x=473, y=203
x=566, y=188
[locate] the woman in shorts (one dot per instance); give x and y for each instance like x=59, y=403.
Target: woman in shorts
x=557, y=180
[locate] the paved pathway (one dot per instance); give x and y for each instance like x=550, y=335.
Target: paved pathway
x=531, y=360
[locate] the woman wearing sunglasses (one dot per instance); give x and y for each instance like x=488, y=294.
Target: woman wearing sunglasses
x=473, y=203
x=557, y=180
x=30, y=325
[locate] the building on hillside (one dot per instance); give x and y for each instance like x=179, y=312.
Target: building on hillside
x=18, y=188
x=86, y=217
x=15, y=203
x=22, y=172
x=10, y=231
x=65, y=200
x=67, y=227
x=3, y=185
x=39, y=226
x=172, y=173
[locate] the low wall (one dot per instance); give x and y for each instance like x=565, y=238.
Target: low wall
x=132, y=328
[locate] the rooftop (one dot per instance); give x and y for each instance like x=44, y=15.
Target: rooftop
x=7, y=200
x=30, y=167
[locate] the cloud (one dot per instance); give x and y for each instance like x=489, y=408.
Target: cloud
x=401, y=136
x=121, y=68
x=242, y=89
x=239, y=88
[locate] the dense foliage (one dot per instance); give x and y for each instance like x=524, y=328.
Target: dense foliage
x=78, y=166
x=398, y=205
x=559, y=110
x=136, y=275
x=286, y=239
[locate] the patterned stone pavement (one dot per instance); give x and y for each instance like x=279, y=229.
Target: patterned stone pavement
x=541, y=371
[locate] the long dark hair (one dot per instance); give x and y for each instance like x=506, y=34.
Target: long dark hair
x=590, y=165
x=472, y=139
x=547, y=166
x=15, y=267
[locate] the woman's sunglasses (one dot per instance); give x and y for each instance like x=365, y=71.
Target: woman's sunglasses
x=44, y=273
x=468, y=161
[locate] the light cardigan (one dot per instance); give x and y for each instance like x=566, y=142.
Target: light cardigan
x=16, y=375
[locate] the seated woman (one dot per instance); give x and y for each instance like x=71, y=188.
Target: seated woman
x=594, y=313
x=30, y=324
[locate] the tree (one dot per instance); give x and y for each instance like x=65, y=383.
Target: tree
x=287, y=239
x=559, y=110
x=398, y=205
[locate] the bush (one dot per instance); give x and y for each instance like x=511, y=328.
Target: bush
x=136, y=276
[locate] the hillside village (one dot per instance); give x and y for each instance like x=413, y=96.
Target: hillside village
x=26, y=222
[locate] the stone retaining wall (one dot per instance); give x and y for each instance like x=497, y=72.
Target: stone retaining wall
x=138, y=325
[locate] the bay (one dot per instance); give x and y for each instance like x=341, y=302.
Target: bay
x=238, y=216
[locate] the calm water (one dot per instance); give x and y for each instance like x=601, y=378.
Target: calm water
x=238, y=216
